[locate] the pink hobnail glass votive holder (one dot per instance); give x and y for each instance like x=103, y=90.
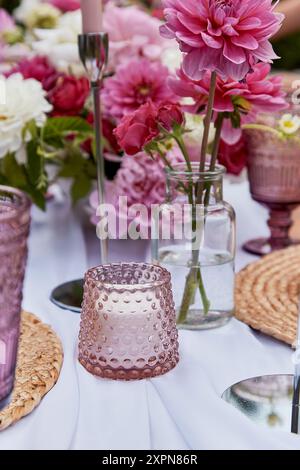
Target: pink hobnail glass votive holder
x=128, y=324
x=14, y=230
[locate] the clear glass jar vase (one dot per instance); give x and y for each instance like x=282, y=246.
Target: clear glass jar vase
x=193, y=237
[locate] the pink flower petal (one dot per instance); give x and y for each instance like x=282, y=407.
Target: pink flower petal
x=234, y=53
x=245, y=40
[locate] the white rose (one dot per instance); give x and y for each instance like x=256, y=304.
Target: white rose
x=24, y=101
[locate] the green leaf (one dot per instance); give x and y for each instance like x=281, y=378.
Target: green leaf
x=61, y=126
x=80, y=187
x=14, y=173
x=38, y=197
x=235, y=120
x=73, y=166
x=35, y=163
x=30, y=127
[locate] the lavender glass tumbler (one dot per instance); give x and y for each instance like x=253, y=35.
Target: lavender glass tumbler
x=14, y=230
x=128, y=325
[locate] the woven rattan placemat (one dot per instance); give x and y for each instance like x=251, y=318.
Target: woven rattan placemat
x=267, y=294
x=40, y=358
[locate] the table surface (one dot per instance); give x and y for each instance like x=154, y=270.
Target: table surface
x=181, y=410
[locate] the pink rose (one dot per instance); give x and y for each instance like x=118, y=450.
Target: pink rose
x=138, y=129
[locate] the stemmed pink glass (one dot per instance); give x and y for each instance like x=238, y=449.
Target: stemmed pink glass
x=128, y=326
x=14, y=230
x=274, y=175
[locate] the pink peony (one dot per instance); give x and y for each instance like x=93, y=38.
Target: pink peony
x=141, y=179
x=257, y=93
x=138, y=129
x=132, y=34
x=135, y=84
x=226, y=36
x=65, y=5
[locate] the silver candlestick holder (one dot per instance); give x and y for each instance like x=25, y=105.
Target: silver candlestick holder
x=93, y=52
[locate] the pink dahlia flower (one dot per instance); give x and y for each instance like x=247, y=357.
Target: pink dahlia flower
x=226, y=36
x=257, y=93
x=135, y=84
x=132, y=34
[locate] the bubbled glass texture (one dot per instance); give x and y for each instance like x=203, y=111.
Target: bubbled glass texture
x=14, y=230
x=128, y=326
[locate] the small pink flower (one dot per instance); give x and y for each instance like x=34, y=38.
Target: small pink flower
x=65, y=5
x=138, y=129
x=226, y=36
x=257, y=93
x=135, y=84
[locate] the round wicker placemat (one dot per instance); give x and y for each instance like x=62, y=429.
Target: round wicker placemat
x=267, y=294
x=40, y=359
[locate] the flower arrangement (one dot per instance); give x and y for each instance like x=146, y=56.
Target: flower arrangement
x=38, y=51
x=141, y=85
x=226, y=54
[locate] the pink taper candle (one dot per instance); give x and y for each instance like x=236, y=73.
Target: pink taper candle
x=91, y=16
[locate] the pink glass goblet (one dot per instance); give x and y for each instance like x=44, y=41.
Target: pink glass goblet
x=274, y=176
x=14, y=230
x=128, y=325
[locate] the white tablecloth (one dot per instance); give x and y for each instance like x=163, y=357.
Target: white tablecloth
x=181, y=410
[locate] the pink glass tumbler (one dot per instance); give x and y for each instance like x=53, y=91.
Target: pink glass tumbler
x=14, y=230
x=128, y=326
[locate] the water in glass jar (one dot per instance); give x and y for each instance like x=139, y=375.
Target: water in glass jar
x=217, y=269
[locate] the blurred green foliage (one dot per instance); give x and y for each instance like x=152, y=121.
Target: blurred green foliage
x=289, y=50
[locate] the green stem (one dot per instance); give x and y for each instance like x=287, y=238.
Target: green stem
x=205, y=301
x=184, y=151
x=194, y=278
x=182, y=147
x=188, y=296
